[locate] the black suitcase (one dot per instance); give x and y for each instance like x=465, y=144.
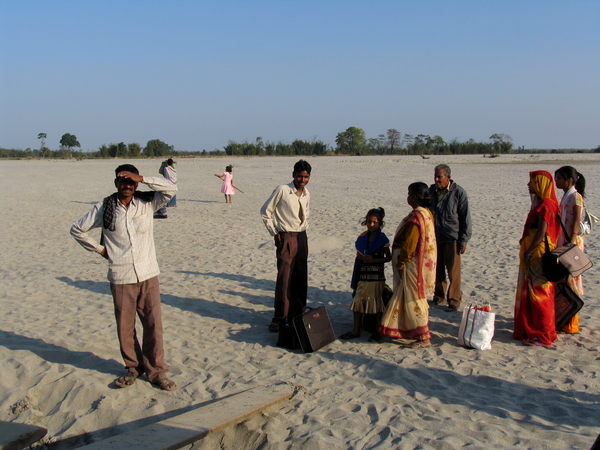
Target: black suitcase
x=287, y=336
x=566, y=304
x=314, y=329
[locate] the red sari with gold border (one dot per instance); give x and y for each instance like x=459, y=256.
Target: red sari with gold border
x=534, y=302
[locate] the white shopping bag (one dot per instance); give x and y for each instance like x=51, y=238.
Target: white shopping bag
x=476, y=328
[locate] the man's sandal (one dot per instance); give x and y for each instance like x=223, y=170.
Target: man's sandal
x=166, y=385
x=126, y=380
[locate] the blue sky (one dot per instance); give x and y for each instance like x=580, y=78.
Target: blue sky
x=196, y=74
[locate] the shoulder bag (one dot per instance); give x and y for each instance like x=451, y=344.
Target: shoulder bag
x=568, y=259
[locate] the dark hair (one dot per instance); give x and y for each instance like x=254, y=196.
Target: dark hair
x=170, y=161
x=445, y=168
x=228, y=168
x=377, y=212
x=570, y=172
x=301, y=166
x=421, y=191
x=126, y=168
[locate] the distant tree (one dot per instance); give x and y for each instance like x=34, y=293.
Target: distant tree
x=352, y=141
x=501, y=143
x=234, y=149
x=393, y=140
x=270, y=149
x=260, y=146
x=113, y=149
x=122, y=150
x=418, y=146
x=597, y=149
x=134, y=149
x=103, y=149
x=156, y=147
x=69, y=141
x=283, y=149
x=249, y=149
x=436, y=145
x=374, y=147
x=42, y=136
x=318, y=147
x=407, y=140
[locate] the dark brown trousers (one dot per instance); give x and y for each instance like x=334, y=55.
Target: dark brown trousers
x=448, y=260
x=142, y=299
x=292, y=275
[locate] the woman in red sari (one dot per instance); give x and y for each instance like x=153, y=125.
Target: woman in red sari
x=534, y=303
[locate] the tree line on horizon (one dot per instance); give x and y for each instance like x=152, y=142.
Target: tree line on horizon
x=352, y=141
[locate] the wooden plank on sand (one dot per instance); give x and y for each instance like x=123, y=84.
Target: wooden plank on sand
x=16, y=436
x=189, y=427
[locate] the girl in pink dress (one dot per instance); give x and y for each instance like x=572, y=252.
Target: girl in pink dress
x=227, y=187
x=572, y=183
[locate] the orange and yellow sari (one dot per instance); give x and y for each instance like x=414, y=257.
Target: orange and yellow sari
x=407, y=315
x=534, y=303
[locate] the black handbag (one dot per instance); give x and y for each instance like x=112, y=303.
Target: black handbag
x=568, y=259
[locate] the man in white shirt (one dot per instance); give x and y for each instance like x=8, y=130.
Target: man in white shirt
x=126, y=219
x=285, y=214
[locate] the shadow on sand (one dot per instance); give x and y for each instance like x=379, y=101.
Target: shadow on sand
x=59, y=355
x=494, y=396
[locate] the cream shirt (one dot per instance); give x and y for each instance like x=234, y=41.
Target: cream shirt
x=130, y=248
x=281, y=212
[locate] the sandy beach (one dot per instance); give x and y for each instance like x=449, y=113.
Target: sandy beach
x=59, y=348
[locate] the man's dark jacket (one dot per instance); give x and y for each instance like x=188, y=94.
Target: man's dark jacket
x=452, y=215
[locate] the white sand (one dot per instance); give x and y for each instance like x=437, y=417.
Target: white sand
x=59, y=349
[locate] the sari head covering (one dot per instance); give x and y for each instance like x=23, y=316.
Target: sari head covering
x=543, y=185
x=546, y=204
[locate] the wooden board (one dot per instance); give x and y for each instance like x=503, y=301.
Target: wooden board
x=187, y=428
x=17, y=436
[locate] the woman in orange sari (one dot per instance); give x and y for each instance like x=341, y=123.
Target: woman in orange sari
x=414, y=256
x=534, y=303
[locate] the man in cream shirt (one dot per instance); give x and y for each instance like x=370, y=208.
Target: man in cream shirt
x=285, y=214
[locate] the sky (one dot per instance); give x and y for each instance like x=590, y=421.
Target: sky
x=196, y=74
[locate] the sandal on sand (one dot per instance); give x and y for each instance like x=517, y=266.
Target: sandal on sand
x=349, y=335
x=534, y=343
x=375, y=337
x=451, y=308
x=126, y=380
x=166, y=385
x=418, y=344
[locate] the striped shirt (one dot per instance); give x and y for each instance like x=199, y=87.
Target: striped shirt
x=130, y=248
